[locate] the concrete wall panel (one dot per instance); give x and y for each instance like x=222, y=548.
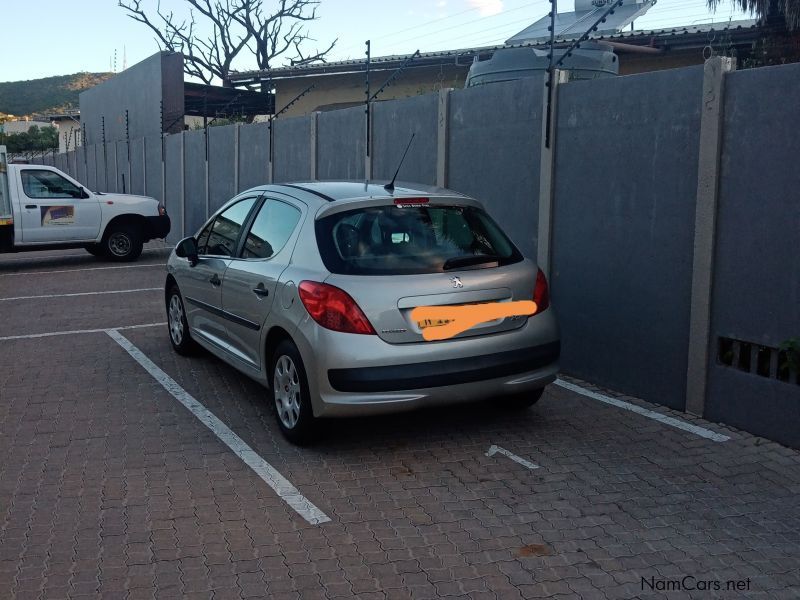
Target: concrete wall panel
x=626, y=181
x=394, y=122
x=341, y=144
x=173, y=175
x=80, y=165
x=757, y=268
x=195, y=176
x=111, y=167
x=123, y=169
x=253, y=155
x=221, y=165
x=292, y=155
x=137, y=166
x=494, y=152
x=153, y=175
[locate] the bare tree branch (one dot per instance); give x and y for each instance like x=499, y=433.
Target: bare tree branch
x=239, y=30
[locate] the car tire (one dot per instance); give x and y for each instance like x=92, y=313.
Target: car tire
x=177, y=325
x=96, y=250
x=291, y=398
x=123, y=242
x=523, y=400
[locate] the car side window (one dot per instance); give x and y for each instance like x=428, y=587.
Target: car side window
x=40, y=183
x=220, y=236
x=271, y=229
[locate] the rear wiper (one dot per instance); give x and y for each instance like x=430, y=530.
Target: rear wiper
x=468, y=260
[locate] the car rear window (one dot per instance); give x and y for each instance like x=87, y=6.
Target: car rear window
x=392, y=240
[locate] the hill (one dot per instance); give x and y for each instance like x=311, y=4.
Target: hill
x=48, y=94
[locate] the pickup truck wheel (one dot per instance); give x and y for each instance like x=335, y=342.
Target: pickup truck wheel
x=179, y=336
x=123, y=242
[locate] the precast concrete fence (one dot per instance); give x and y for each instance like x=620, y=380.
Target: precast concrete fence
x=666, y=212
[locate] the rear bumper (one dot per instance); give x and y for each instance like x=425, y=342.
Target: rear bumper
x=440, y=373
x=157, y=227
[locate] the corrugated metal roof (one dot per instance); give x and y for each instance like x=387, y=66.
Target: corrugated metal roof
x=666, y=35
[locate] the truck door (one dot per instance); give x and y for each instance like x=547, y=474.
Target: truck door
x=54, y=209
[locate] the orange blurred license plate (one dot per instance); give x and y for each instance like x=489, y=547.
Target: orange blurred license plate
x=433, y=323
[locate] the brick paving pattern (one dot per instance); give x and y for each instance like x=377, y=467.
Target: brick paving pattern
x=110, y=488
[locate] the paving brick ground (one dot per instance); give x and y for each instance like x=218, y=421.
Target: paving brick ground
x=110, y=488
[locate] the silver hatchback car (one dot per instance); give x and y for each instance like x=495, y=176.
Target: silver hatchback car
x=311, y=289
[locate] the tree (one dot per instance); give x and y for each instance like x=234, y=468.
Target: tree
x=239, y=29
x=33, y=140
x=768, y=10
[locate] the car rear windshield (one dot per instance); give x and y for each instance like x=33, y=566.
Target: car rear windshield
x=394, y=240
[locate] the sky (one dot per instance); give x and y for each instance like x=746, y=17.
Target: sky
x=43, y=37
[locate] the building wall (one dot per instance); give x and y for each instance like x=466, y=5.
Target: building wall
x=141, y=91
x=349, y=88
x=13, y=127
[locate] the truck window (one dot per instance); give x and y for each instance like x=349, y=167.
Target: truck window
x=39, y=183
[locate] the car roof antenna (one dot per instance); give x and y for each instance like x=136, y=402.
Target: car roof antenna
x=389, y=187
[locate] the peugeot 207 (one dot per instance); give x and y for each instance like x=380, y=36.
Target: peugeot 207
x=347, y=299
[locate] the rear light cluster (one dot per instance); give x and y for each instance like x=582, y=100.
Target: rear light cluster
x=541, y=295
x=334, y=308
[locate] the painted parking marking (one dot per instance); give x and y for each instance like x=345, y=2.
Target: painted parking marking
x=81, y=254
x=517, y=459
x=147, y=266
x=153, y=289
x=31, y=336
x=650, y=414
x=279, y=484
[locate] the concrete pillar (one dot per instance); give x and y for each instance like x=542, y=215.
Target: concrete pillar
x=183, y=184
x=370, y=144
x=144, y=166
x=236, y=158
x=270, y=154
x=708, y=172
x=313, y=144
x=442, y=157
x=546, y=180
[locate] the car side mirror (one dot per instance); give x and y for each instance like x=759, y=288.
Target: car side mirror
x=84, y=194
x=187, y=248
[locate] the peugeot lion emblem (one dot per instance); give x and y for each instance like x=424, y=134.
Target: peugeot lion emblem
x=456, y=282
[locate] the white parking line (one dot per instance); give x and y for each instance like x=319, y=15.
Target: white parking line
x=31, y=336
x=83, y=294
x=650, y=414
x=82, y=253
x=282, y=486
x=517, y=459
x=148, y=266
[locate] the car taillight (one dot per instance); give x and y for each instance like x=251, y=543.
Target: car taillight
x=333, y=308
x=541, y=295
x=162, y=210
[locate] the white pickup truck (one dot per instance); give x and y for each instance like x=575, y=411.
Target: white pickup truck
x=44, y=208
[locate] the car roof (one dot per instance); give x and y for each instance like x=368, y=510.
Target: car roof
x=332, y=191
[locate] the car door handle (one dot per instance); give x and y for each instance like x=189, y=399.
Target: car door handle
x=215, y=280
x=30, y=206
x=261, y=291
